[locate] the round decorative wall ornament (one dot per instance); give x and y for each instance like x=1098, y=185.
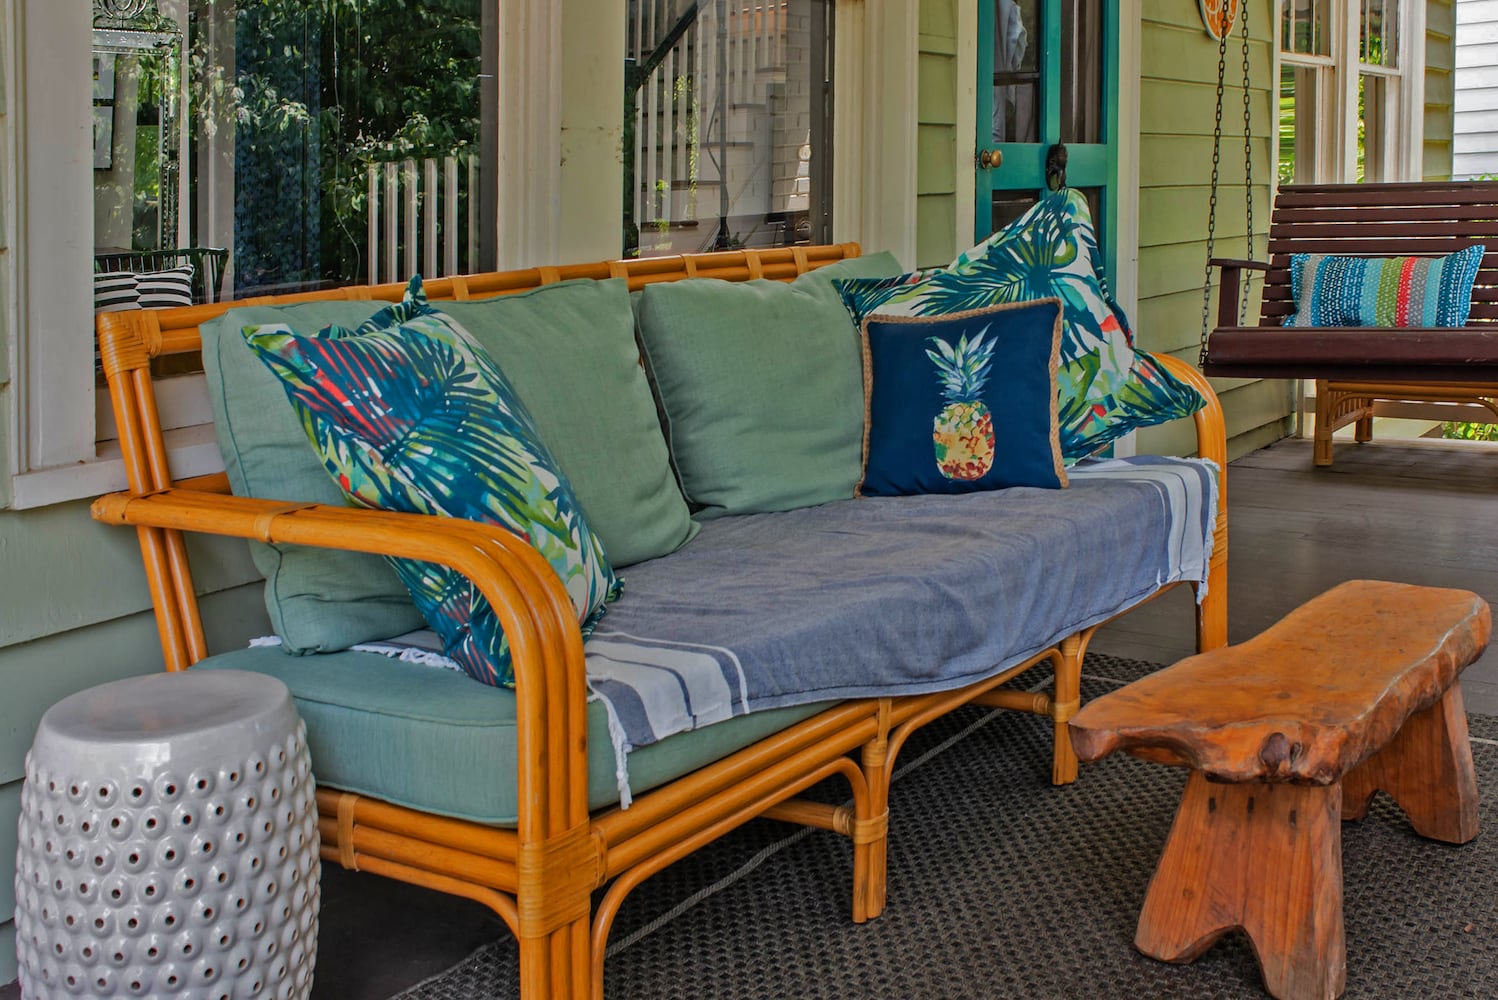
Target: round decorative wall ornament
x=1220, y=15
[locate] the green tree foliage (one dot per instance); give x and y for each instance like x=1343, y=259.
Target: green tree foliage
x=349, y=83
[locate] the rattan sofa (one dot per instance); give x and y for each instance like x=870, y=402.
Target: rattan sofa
x=540, y=872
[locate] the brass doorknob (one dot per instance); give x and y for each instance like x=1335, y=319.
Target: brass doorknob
x=988, y=159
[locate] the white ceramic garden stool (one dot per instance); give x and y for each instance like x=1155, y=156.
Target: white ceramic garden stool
x=168, y=843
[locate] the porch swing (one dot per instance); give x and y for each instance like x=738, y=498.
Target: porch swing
x=1354, y=366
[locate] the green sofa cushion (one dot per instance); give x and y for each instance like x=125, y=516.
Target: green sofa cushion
x=569, y=350
x=761, y=387
x=319, y=600
x=434, y=740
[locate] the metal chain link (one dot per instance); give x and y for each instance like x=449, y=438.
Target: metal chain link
x=1248, y=166
x=1248, y=180
x=1222, y=61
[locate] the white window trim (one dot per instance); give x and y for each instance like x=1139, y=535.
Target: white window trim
x=1337, y=145
x=53, y=448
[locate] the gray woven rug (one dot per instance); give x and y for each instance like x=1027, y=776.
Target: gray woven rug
x=1003, y=886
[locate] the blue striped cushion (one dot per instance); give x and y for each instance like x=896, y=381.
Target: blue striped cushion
x=1383, y=291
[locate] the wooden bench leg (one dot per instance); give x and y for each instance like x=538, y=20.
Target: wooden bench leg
x=1427, y=769
x=1263, y=857
x=1362, y=431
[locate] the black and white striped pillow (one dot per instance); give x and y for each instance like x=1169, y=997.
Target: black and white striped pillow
x=115, y=291
x=160, y=289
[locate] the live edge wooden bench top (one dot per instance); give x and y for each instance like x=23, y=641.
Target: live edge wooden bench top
x=1307, y=699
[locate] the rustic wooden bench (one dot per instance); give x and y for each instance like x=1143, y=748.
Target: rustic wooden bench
x=1354, y=367
x=1287, y=734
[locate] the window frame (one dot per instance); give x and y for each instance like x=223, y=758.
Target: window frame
x=1337, y=77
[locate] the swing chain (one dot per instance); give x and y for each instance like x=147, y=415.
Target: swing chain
x=1222, y=59
x=1248, y=178
x=1248, y=166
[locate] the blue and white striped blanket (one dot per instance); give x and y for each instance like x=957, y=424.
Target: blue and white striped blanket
x=883, y=596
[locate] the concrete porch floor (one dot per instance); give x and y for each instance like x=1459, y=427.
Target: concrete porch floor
x=1419, y=512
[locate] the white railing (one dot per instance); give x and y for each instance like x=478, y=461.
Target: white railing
x=414, y=219
x=675, y=151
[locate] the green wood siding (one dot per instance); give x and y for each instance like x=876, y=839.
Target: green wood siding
x=1177, y=97
x=1440, y=88
x=10, y=811
x=939, y=135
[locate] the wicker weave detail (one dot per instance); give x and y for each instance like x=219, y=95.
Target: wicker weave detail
x=1063, y=710
x=871, y=830
x=346, y=856
x=263, y=522
x=555, y=880
x=122, y=347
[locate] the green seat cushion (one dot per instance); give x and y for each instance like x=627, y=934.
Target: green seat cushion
x=434, y=740
x=319, y=600
x=761, y=387
x=569, y=351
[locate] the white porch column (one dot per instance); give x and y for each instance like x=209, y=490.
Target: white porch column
x=528, y=182
x=592, y=164
x=874, y=155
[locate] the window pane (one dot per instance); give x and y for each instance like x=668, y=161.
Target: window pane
x=1019, y=27
x=727, y=129
x=327, y=144
x=1379, y=33
x=1082, y=71
x=1305, y=27
x=1375, y=147
x=1298, y=135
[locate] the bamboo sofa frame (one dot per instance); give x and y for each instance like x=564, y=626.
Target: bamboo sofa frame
x=1355, y=367
x=539, y=877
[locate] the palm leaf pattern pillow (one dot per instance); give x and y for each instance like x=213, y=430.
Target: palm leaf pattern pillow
x=409, y=413
x=1105, y=386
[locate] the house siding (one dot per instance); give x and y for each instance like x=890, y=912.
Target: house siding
x=937, y=135
x=1475, y=105
x=1177, y=99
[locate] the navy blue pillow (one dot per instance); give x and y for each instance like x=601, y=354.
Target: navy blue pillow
x=962, y=402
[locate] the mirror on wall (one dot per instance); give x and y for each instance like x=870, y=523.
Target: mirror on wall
x=137, y=100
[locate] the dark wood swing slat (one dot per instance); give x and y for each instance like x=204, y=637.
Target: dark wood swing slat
x=1354, y=366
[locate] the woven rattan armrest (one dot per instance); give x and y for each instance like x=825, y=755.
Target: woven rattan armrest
x=532, y=605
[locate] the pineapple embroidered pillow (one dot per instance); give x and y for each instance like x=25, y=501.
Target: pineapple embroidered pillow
x=408, y=413
x=1106, y=387
x=962, y=402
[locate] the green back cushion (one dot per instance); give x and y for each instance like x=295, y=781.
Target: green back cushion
x=409, y=413
x=569, y=350
x=319, y=600
x=761, y=387
x=570, y=353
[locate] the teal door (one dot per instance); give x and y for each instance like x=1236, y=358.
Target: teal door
x=1051, y=68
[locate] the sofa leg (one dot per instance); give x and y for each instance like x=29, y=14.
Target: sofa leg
x=1362, y=431
x=1064, y=704
x=558, y=966
x=871, y=858
x=1212, y=612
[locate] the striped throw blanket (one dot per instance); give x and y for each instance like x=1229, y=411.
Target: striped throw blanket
x=882, y=596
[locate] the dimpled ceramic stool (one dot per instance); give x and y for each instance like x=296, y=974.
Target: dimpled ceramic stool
x=168, y=843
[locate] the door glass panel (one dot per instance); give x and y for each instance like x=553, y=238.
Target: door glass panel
x=1017, y=38
x=1082, y=71
x=1010, y=205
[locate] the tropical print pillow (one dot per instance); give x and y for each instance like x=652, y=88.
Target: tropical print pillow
x=1105, y=386
x=408, y=413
